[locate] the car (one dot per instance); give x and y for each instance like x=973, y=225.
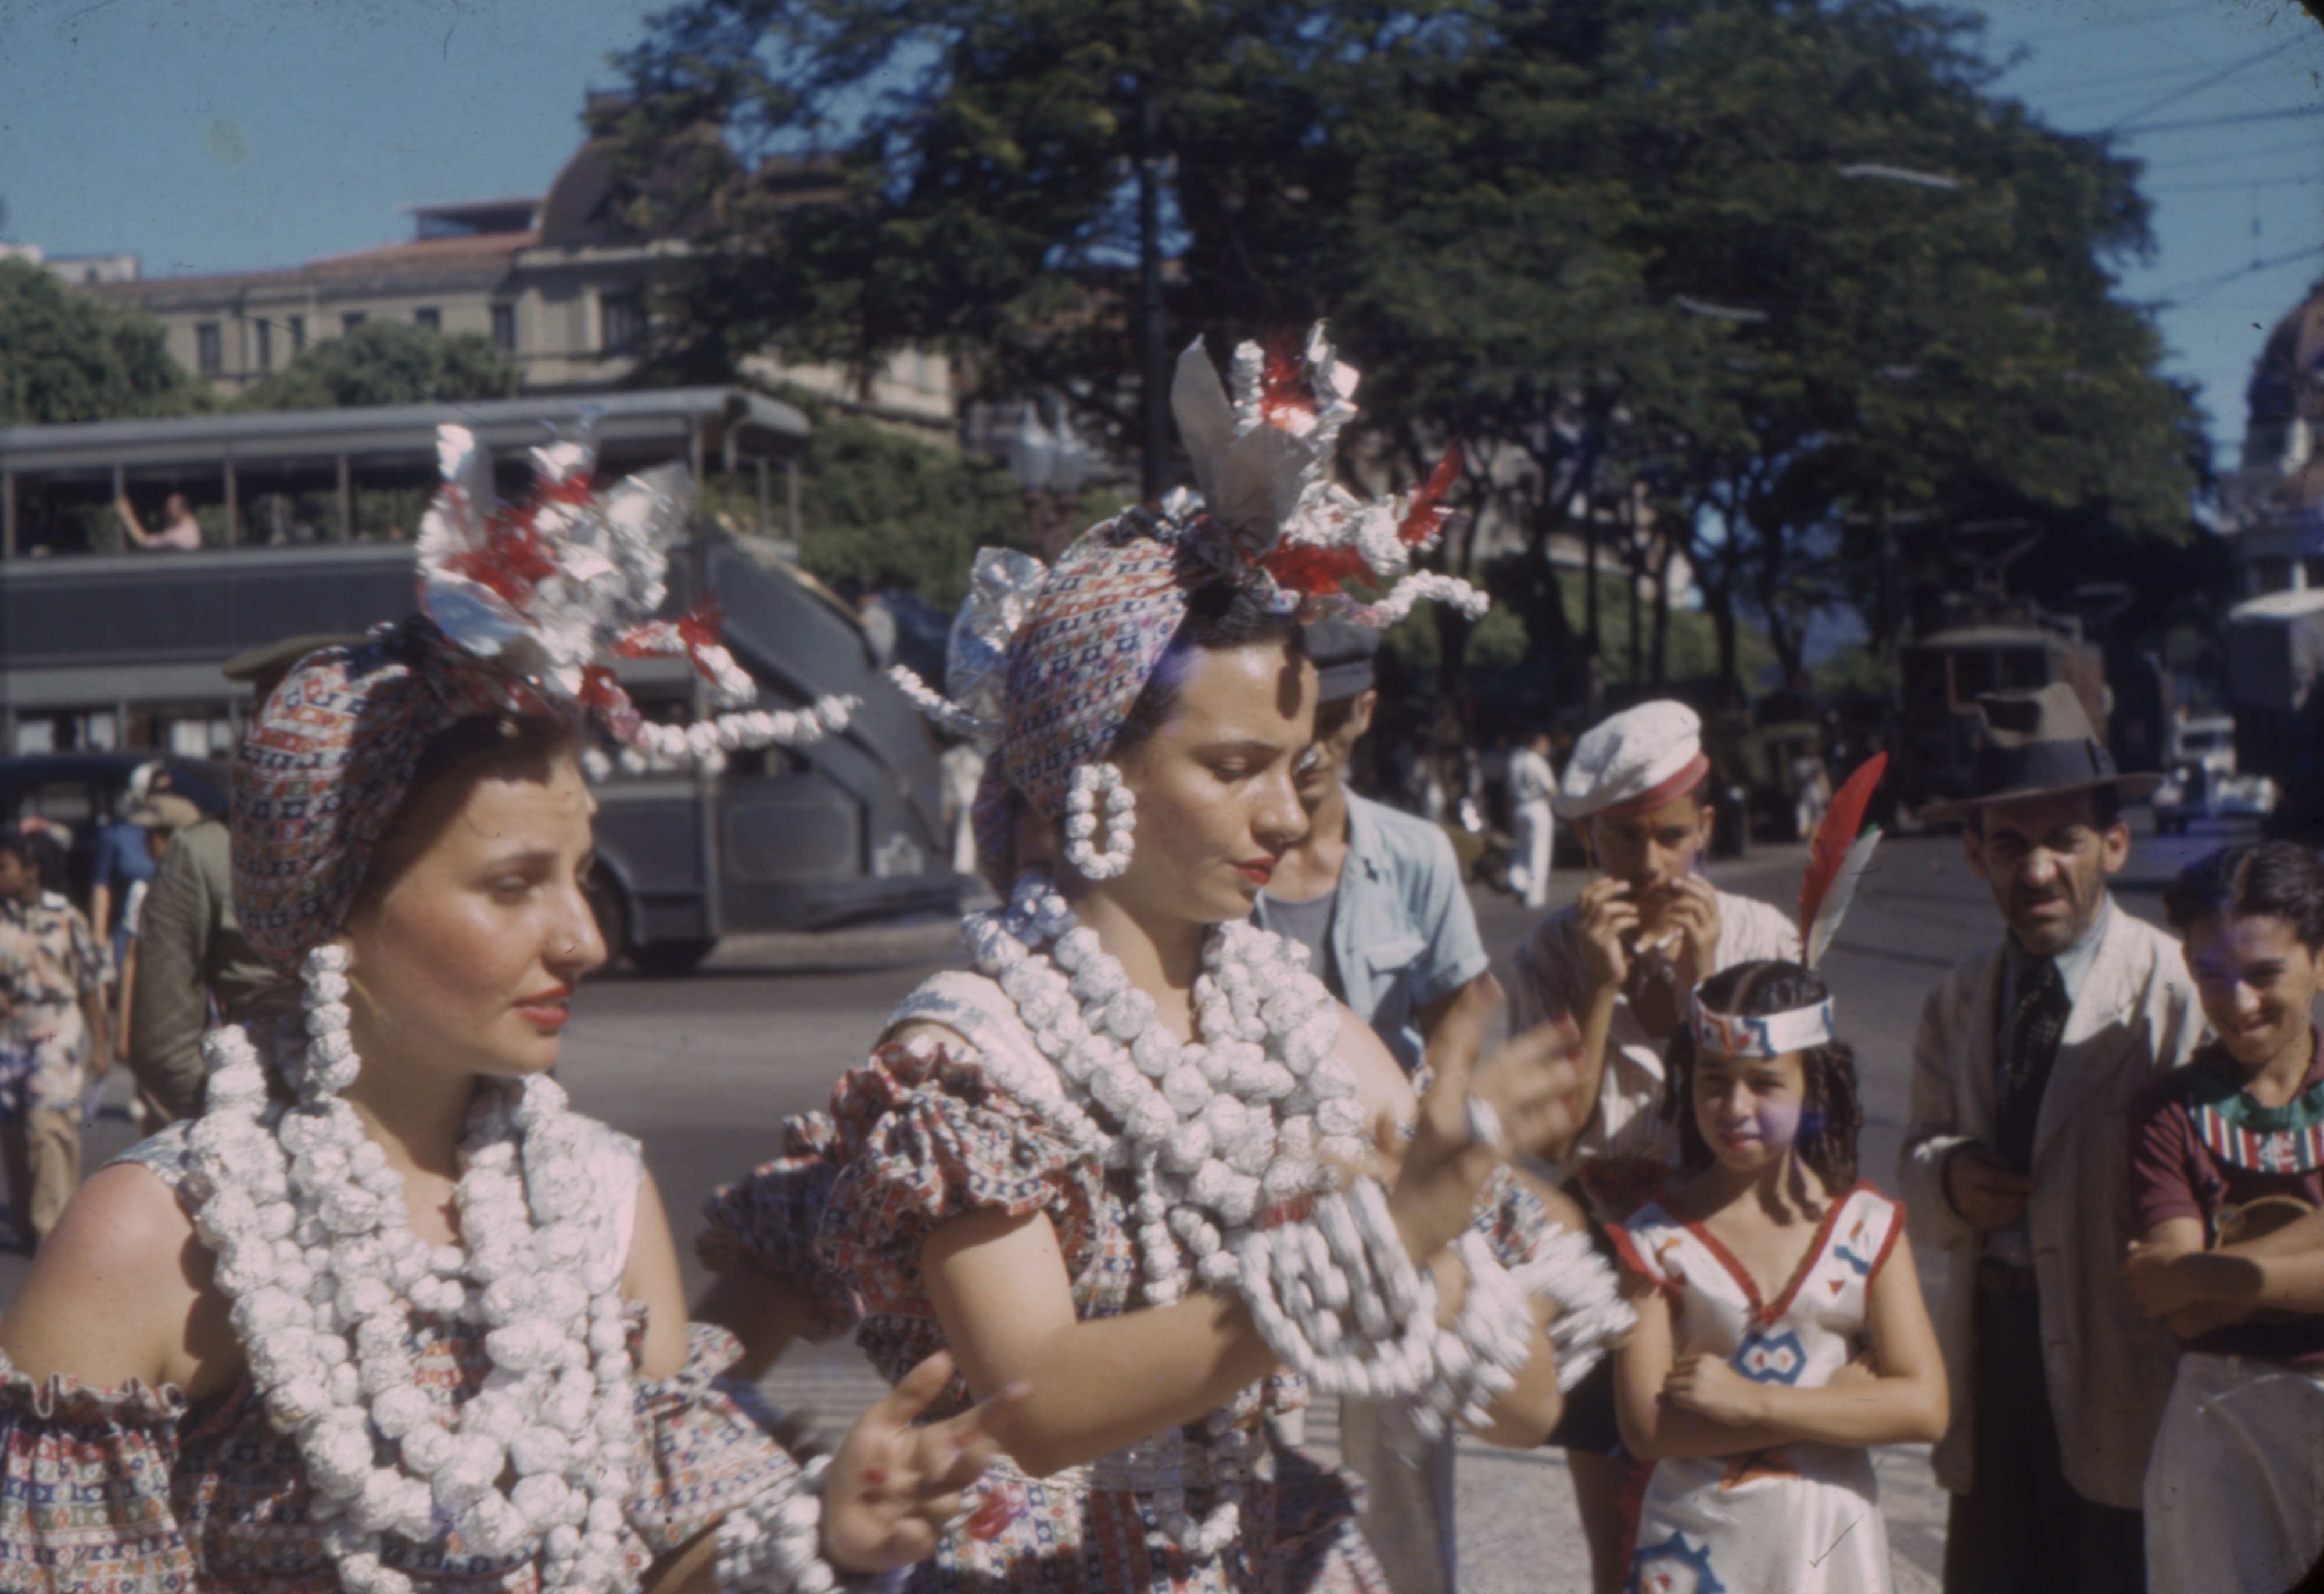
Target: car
x=2200, y=779
x=86, y=791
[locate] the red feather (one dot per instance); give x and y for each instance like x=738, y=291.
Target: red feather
x=1285, y=397
x=1312, y=569
x=1834, y=838
x=1424, y=519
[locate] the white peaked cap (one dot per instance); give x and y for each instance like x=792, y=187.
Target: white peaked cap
x=1652, y=752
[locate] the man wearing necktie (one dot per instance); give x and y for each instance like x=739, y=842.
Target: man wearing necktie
x=2016, y=1164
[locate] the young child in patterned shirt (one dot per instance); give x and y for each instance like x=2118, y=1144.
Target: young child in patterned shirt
x=54, y=970
x=2226, y=1181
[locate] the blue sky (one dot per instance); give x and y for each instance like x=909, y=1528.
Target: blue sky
x=228, y=135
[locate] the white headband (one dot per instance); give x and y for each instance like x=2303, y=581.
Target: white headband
x=1760, y=1036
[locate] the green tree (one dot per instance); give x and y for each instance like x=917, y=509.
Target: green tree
x=67, y=356
x=893, y=512
x=1613, y=245
x=389, y=363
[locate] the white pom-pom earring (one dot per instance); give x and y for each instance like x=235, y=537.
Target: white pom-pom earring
x=1093, y=782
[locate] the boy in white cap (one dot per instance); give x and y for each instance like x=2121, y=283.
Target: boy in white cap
x=1623, y=961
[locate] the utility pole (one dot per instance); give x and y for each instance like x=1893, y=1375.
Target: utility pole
x=1153, y=386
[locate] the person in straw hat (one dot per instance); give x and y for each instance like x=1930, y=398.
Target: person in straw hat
x=2015, y=1163
x=1623, y=961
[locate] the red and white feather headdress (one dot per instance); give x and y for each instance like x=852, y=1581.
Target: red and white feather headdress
x=1837, y=857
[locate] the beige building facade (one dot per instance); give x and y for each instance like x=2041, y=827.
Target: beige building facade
x=556, y=283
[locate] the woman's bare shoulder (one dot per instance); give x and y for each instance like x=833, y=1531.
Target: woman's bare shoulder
x=121, y=1290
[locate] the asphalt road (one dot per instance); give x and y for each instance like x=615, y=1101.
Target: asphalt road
x=701, y=1068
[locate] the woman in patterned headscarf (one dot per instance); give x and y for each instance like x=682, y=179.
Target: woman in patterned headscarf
x=388, y=1317
x=1133, y=1148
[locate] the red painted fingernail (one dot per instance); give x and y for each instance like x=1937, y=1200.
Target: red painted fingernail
x=874, y=1475
x=991, y=1518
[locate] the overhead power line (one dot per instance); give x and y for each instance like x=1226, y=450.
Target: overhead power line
x=2186, y=291
x=2176, y=95
x=2230, y=121
x=2306, y=147
x=2112, y=22
x=2231, y=187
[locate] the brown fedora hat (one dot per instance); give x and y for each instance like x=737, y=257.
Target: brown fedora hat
x=2037, y=744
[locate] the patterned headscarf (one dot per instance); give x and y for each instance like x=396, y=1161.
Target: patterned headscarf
x=327, y=760
x=529, y=607
x=1092, y=638
x=1045, y=665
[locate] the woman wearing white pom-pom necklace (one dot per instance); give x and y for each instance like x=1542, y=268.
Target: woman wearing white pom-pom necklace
x=388, y=1317
x=1124, y=1149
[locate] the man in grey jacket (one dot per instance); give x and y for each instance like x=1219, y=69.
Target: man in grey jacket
x=2016, y=1164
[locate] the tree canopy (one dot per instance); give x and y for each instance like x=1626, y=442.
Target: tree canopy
x=67, y=356
x=1771, y=278
x=388, y=363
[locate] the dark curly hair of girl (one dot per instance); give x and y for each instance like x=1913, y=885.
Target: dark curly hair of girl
x=1831, y=1115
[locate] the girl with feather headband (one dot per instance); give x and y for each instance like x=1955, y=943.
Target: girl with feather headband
x=1757, y=1274
x=389, y=1316
x=1137, y=1145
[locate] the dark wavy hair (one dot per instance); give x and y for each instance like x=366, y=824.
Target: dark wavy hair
x=2269, y=880
x=1832, y=1115
x=1218, y=617
x=40, y=851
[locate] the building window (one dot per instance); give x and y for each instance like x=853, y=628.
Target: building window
x=625, y=322
x=351, y=320
x=429, y=317
x=209, y=349
x=262, y=344
x=298, y=334
x=504, y=327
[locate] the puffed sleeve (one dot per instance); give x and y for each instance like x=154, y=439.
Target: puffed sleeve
x=769, y=1219
x=84, y=1489
x=933, y=1138
x=709, y=1449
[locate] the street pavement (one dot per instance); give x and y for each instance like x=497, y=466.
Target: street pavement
x=701, y=1069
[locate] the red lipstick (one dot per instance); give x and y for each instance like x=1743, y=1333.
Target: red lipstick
x=1258, y=870
x=546, y=1009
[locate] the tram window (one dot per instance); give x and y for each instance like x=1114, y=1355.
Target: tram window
x=2023, y=666
x=1973, y=674
x=67, y=802
x=1924, y=679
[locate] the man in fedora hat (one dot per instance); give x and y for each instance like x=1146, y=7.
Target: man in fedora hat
x=2015, y=1162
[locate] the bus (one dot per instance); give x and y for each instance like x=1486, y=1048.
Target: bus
x=110, y=650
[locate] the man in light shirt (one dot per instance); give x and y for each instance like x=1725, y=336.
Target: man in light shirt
x=1374, y=896
x=1532, y=786
x=180, y=530
x=1622, y=962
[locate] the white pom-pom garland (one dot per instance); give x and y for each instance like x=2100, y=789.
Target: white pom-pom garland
x=315, y=1246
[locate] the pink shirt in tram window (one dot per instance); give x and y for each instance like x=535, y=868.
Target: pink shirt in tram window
x=2200, y=1148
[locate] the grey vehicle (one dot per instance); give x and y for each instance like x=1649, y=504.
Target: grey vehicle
x=115, y=649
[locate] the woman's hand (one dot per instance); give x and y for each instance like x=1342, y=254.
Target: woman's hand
x=1529, y=1084
x=1709, y=1388
x=894, y=1488
x=1608, y=917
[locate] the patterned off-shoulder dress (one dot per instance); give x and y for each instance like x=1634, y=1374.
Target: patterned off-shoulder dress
x=138, y=1490
x=918, y=1136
